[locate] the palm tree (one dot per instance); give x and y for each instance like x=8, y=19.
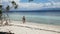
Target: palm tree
x=0, y=11
x=7, y=9
x=0, y=14
x=14, y=5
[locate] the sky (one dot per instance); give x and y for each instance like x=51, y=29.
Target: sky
x=34, y=5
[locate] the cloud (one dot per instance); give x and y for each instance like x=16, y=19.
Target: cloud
x=54, y=0
x=52, y=5
x=10, y=0
x=39, y=5
x=32, y=6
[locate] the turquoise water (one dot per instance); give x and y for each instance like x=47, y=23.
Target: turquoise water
x=52, y=18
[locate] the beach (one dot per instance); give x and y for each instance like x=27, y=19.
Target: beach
x=36, y=23
x=30, y=16
x=18, y=27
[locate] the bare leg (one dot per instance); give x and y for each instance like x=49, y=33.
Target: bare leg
x=23, y=21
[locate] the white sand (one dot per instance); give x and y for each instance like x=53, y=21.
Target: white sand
x=18, y=27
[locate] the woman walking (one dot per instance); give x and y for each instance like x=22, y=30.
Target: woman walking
x=23, y=19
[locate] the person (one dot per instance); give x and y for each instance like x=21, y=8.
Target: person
x=23, y=19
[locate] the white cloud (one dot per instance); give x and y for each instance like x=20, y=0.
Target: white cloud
x=17, y=1
x=8, y=2
x=35, y=6
x=29, y=6
x=39, y=5
x=4, y=0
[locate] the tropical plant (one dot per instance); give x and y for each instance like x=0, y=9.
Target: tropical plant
x=0, y=11
x=7, y=9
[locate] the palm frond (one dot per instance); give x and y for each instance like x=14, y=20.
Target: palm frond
x=13, y=2
x=16, y=7
x=0, y=11
x=0, y=6
x=7, y=8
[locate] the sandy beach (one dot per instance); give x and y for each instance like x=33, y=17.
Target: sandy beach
x=18, y=27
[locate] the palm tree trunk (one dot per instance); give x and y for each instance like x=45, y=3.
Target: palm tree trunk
x=7, y=17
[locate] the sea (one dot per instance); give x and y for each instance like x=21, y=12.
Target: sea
x=51, y=17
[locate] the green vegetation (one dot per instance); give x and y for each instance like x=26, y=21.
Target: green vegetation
x=6, y=11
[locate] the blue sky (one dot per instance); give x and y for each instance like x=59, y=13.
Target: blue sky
x=36, y=1
x=34, y=5
x=42, y=1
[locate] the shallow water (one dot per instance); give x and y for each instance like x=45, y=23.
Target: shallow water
x=52, y=18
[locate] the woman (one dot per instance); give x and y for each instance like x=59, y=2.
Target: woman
x=23, y=19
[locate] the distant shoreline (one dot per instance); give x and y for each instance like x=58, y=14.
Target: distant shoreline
x=36, y=11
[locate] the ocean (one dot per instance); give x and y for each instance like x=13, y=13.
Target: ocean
x=51, y=17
